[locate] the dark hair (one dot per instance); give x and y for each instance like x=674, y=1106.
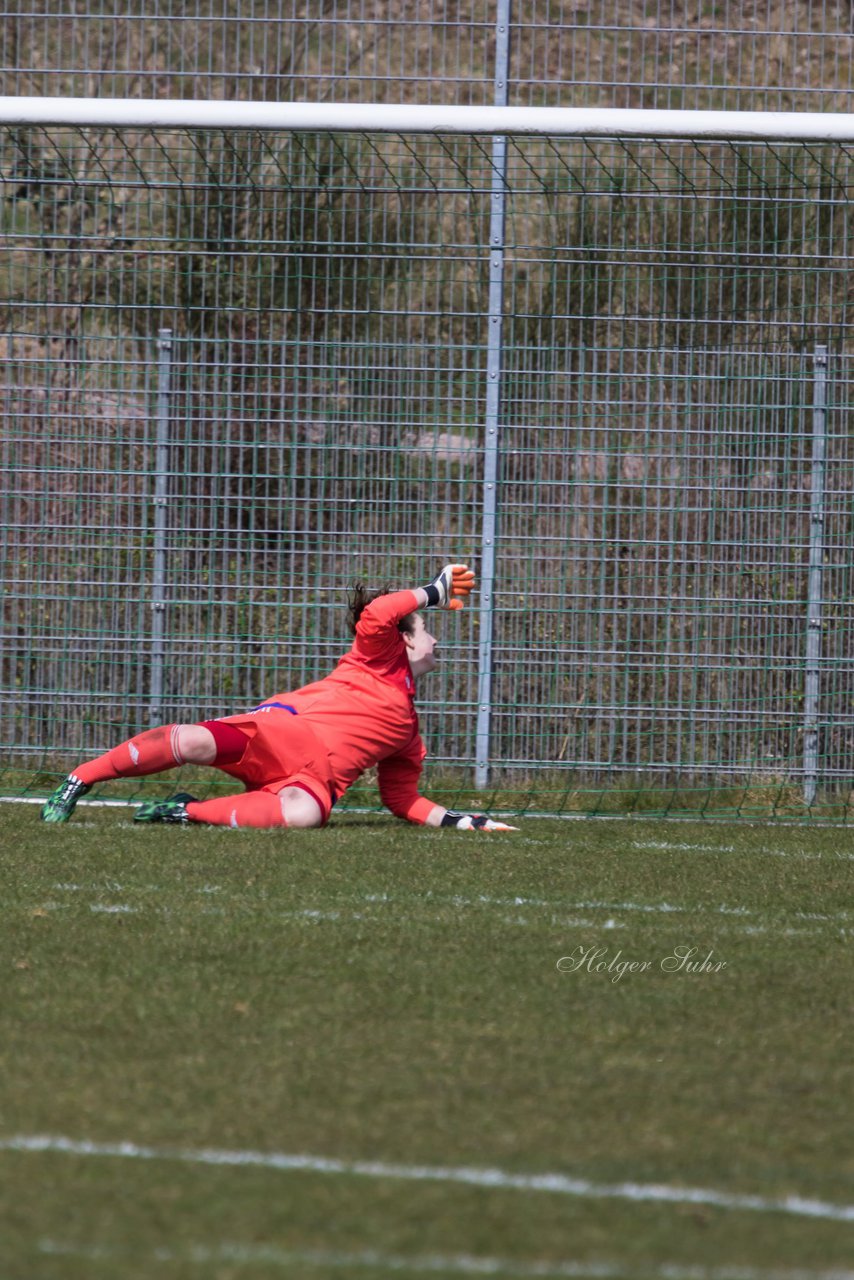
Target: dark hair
x=361, y=596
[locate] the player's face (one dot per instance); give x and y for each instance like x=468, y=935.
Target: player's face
x=421, y=648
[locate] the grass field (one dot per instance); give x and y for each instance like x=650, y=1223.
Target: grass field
x=354, y=1053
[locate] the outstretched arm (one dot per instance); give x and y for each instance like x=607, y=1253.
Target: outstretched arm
x=398, y=778
x=451, y=586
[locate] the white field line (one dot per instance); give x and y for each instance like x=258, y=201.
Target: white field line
x=113, y=886
x=457, y=900
x=492, y=1179
x=735, y=919
x=315, y=914
x=337, y=916
x=636, y=819
x=456, y=1264
x=665, y=846
x=683, y=847
x=671, y=846
x=521, y=922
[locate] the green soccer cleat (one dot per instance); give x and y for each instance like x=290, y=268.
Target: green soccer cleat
x=60, y=806
x=172, y=810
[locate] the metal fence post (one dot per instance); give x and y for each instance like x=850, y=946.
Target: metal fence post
x=161, y=501
x=493, y=404
x=816, y=566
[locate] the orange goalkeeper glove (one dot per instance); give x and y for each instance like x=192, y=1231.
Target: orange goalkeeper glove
x=450, y=587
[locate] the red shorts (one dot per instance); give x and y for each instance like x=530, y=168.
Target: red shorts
x=282, y=752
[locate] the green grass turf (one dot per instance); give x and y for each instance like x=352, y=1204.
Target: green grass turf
x=378, y=992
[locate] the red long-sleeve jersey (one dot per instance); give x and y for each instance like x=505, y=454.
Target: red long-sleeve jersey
x=364, y=711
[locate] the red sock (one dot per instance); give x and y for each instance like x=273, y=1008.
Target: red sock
x=149, y=752
x=252, y=809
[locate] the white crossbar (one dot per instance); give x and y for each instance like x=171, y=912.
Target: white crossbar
x=581, y=122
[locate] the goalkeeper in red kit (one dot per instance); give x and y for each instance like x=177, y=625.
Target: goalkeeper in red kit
x=298, y=752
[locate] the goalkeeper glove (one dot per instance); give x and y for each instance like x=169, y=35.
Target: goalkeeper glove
x=473, y=822
x=453, y=581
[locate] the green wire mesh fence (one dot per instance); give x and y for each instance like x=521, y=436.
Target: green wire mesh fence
x=612, y=53
x=240, y=370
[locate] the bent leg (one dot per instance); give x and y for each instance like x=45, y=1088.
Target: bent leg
x=299, y=807
x=290, y=807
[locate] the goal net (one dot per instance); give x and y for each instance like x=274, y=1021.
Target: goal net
x=611, y=368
